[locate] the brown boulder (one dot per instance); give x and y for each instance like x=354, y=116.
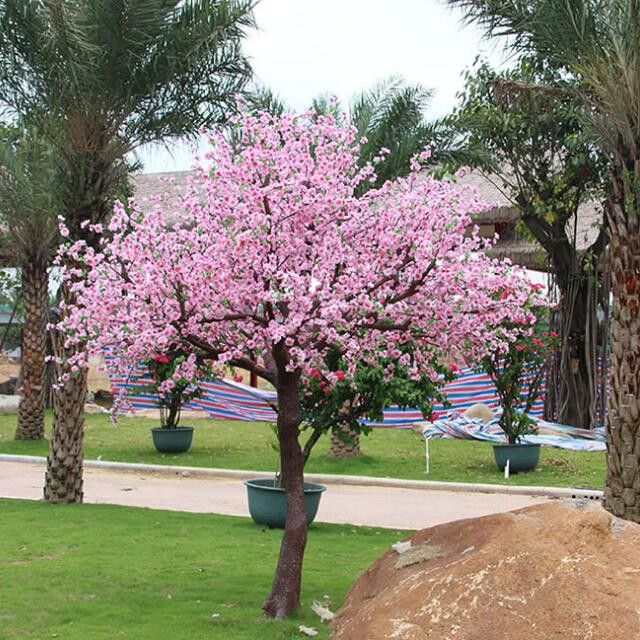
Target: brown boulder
x=562, y=570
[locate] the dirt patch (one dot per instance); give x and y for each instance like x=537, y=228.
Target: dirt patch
x=562, y=570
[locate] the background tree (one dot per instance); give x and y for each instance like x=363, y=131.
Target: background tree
x=281, y=263
x=525, y=130
x=598, y=42
x=111, y=76
x=391, y=119
x=28, y=211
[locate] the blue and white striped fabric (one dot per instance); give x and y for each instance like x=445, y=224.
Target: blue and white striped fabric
x=555, y=435
x=227, y=400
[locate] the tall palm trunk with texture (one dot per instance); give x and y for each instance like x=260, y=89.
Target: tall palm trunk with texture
x=63, y=478
x=622, y=491
x=345, y=445
x=35, y=281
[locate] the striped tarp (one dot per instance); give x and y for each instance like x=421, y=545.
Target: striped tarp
x=462, y=427
x=228, y=400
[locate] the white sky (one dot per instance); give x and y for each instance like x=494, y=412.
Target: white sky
x=303, y=48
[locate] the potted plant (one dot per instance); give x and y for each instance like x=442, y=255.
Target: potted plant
x=518, y=365
x=172, y=392
x=332, y=401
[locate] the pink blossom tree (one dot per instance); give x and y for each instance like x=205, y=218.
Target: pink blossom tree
x=272, y=260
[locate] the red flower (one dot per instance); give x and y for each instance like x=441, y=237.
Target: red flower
x=520, y=347
x=237, y=378
x=314, y=373
x=340, y=374
x=160, y=357
x=454, y=368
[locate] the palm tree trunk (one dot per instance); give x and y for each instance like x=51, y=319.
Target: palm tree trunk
x=622, y=490
x=285, y=591
x=35, y=283
x=346, y=444
x=63, y=478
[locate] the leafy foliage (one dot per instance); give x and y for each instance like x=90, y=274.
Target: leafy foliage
x=332, y=399
x=594, y=41
x=525, y=130
x=29, y=196
x=520, y=362
x=527, y=127
x=101, y=78
x=172, y=389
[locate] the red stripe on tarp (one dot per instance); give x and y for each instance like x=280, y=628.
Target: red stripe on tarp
x=229, y=400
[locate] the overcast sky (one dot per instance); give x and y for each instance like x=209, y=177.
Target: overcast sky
x=303, y=48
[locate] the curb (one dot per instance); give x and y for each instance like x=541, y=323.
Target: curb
x=367, y=481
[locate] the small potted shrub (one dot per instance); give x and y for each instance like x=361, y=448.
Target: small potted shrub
x=522, y=362
x=332, y=401
x=173, y=392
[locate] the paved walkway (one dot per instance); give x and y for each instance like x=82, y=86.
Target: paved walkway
x=396, y=508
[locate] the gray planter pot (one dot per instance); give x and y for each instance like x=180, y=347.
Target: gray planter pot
x=521, y=457
x=175, y=440
x=267, y=504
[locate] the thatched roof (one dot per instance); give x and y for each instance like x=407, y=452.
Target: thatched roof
x=501, y=210
x=161, y=189
x=164, y=189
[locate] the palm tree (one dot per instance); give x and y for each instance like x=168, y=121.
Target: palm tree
x=111, y=76
x=598, y=42
x=391, y=116
x=28, y=213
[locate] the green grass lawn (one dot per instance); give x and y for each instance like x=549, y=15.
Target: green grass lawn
x=394, y=453
x=93, y=572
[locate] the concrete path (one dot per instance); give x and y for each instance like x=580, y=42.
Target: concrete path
x=390, y=507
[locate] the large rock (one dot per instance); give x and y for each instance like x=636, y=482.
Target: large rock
x=557, y=570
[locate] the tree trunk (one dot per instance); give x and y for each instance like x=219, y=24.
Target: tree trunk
x=622, y=490
x=577, y=384
x=345, y=445
x=35, y=283
x=63, y=478
x=285, y=591
x=573, y=380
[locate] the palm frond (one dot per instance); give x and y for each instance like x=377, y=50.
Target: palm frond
x=29, y=203
x=391, y=116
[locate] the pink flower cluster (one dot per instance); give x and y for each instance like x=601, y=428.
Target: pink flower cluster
x=271, y=253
